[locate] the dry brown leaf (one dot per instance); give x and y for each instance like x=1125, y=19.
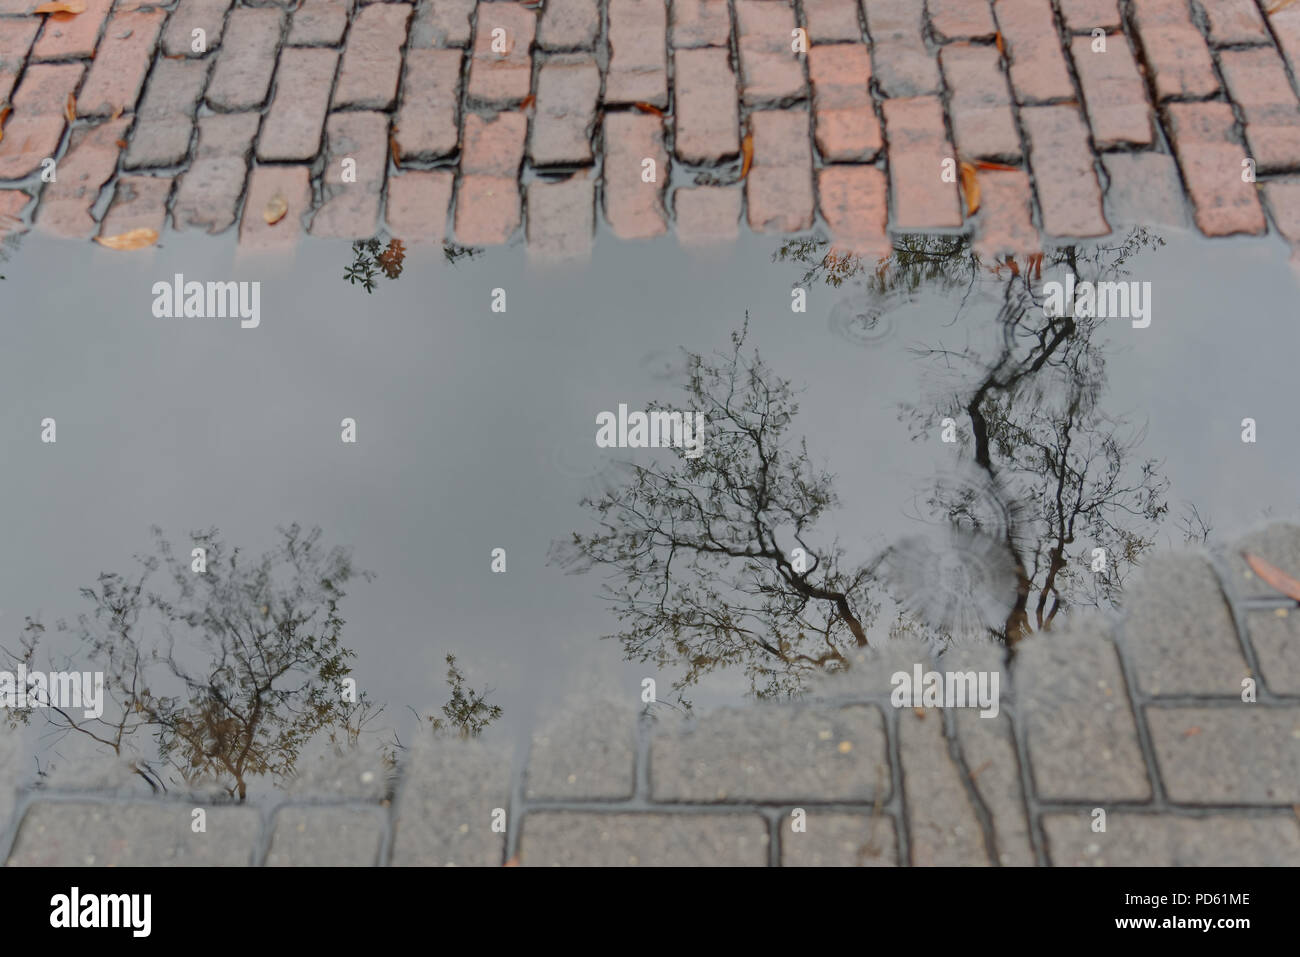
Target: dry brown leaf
x=1278, y=6
x=747, y=152
x=528, y=101
x=121, y=144
x=997, y=38
x=395, y=150
x=116, y=113
x=70, y=108
x=649, y=108
x=1273, y=576
x=1192, y=732
x=62, y=6
x=513, y=862
x=4, y=115
x=1013, y=266
x=134, y=239
x=970, y=188
x=985, y=164
x=276, y=208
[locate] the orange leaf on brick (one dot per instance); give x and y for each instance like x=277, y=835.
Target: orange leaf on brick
x=1275, y=7
x=133, y=239
x=985, y=164
x=747, y=154
x=62, y=6
x=4, y=115
x=649, y=108
x=997, y=38
x=970, y=188
x=70, y=108
x=1273, y=576
x=276, y=209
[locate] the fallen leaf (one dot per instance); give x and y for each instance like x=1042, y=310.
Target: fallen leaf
x=997, y=38
x=1191, y=732
x=276, y=208
x=513, y=862
x=121, y=144
x=1036, y=265
x=1278, y=6
x=649, y=108
x=116, y=113
x=395, y=150
x=985, y=164
x=70, y=108
x=919, y=712
x=62, y=6
x=970, y=188
x=4, y=115
x=747, y=152
x=134, y=239
x=528, y=101
x=1273, y=576
x=1011, y=264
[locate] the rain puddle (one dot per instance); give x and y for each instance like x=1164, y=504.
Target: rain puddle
x=923, y=445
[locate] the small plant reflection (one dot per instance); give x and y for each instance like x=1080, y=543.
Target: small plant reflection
x=375, y=256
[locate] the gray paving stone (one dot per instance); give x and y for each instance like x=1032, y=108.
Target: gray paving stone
x=943, y=827
x=587, y=752
x=326, y=837
x=242, y=76
x=1144, y=190
x=357, y=773
x=871, y=670
x=165, y=124
x=76, y=834
x=445, y=805
x=1080, y=731
x=1278, y=544
x=1275, y=636
x=560, y=838
x=189, y=15
x=319, y=23
x=773, y=753
x=1178, y=632
x=1145, y=840
x=835, y=839
x=1247, y=754
x=441, y=23
x=569, y=25
x=209, y=191
x=989, y=749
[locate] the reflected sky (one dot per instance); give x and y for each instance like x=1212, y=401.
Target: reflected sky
x=476, y=429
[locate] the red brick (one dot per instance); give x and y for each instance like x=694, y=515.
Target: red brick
x=843, y=118
x=1212, y=166
x=246, y=62
x=638, y=65
x=961, y=19
x=417, y=206
x=34, y=129
x=1144, y=190
x=494, y=147
x=1060, y=159
x=68, y=36
x=568, y=92
x=293, y=184
x=165, y=124
x=1004, y=224
x=855, y=205
x=502, y=79
x=707, y=214
x=139, y=202
x=569, y=25
x=918, y=149
x=1286, y=27
x=90, y=162
x=351, y=209
x=12, y=204
x=778, y=189
x=770, y=70
x=980, y=102
x=427, y=125
x=121, y=63
x=562, y=217
x=1284, y=201
x=634, y=208
x=189, y=15
x=1175, y=51
x=296, y=120
x=902, y=64
x=700, y=23
x=704, y=93
x=831, y=21
x=1234, y=21
x=1084, y=16
x=372, y=58
x=319, y=23
x=1113, y=92
x=15, y=40
x=487, y=210
x=1038, y=69
x=442, y=23
x=208, y=193
x=1257, y=83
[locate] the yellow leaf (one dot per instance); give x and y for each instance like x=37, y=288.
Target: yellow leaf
x=997, y=37
x=62, y=6
x=747, y=151
x=134, y=239
x=970, y=187
x=1278, y=6
x=276, y=209
x=1273, y=576
x=70, y=109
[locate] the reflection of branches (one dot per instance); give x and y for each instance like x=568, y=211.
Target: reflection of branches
x=467, y=712
x=712, y=557
x=370, y=257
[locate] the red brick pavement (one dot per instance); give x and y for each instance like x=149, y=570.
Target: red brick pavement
x=528, y=120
